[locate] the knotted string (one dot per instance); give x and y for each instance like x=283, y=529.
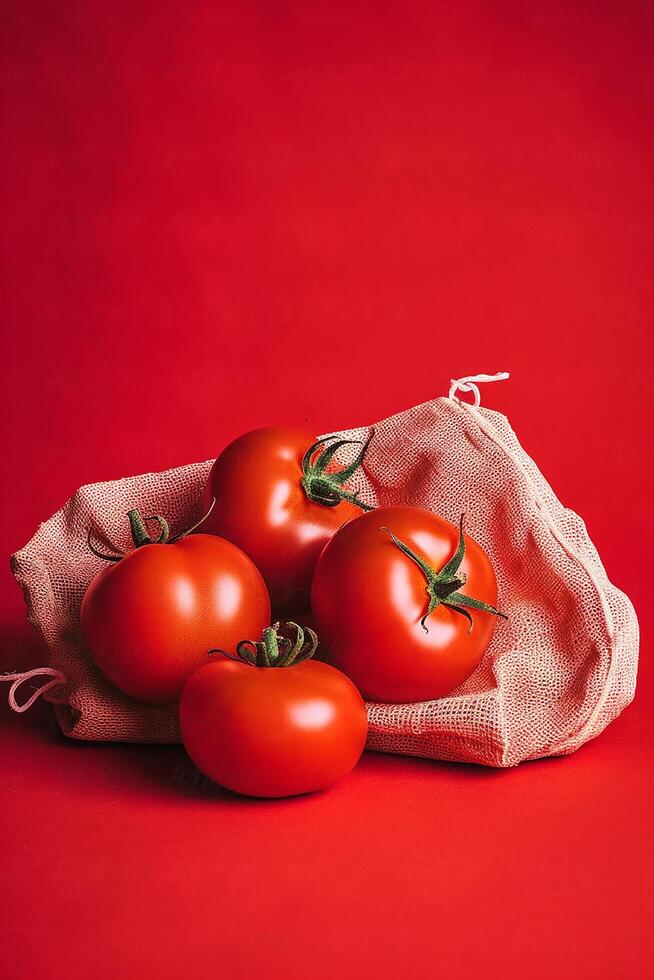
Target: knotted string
x=468, y=384
x=20, y=678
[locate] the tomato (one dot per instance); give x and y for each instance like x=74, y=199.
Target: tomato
x=405, y=604
x=278, y=499
x=149, y=618
x=273, y=722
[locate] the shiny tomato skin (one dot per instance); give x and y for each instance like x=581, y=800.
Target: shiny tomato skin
x=261, y=507
x=151, y=619
x=272, y=731
x=368, y=599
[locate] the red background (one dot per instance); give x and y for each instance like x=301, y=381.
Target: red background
x=220, y=215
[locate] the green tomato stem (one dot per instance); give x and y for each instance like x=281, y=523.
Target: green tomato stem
x=443, y=586
x=274, y=649
x=326, y=488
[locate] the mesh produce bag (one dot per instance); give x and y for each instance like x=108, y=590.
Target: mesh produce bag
x=554, y=676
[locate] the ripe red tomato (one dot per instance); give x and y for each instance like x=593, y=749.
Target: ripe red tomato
x=399, y=629
x=277, y=499
x=279, y=730
x=150, y=617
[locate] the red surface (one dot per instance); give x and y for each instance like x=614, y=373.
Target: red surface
x=220, y=215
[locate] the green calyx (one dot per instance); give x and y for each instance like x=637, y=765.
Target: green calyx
x=275, y=649
x=443, y=587
x=140, y=534
x=327, y=488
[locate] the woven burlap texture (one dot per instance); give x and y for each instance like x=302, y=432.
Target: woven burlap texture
x=554, y=676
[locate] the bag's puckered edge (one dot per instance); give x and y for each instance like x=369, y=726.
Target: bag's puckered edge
x=21, y=566
x=544, y=497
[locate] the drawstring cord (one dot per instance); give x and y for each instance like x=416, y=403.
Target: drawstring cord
x=469, y=384
x=20, y=678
